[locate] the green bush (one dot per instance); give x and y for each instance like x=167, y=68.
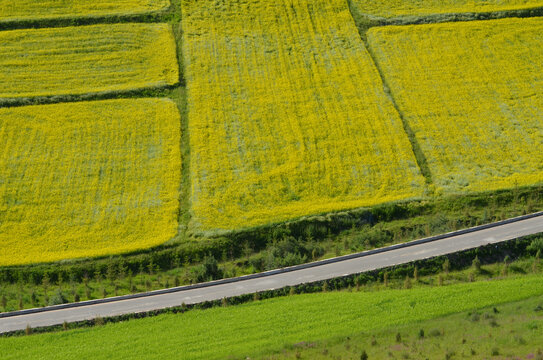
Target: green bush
x=58, y=298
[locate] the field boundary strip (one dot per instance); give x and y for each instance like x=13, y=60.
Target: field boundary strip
x=364, y=21
x=272, y=272
x=136, y=93
x=77, y=19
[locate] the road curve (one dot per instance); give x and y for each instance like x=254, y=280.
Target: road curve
x=322, y=270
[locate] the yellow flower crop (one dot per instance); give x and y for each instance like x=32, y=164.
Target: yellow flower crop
x=287, y=115
x=473, y=95
x=16, y=10
x=87, y=179
x=86, y=59
x=394, y=8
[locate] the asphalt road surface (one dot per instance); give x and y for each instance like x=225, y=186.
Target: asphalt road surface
x=394, y=256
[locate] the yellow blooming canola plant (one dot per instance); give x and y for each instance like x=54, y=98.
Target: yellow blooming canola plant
x=17, y=10
x=473, y=95
x=86, y=59
x=396, y=8
x=287, y=115
x=87, y=179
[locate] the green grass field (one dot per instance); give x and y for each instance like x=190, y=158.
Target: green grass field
x=509, y=331
x=86, y=59
x=261, y=327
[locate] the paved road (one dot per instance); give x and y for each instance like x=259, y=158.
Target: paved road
x=279, y=279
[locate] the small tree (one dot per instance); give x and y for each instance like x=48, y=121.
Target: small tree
x=122, y=269
x=58, y=298
x=64, y=326
x=130, y=281
x=151, y=267
x=476, y=265
x=28, y=330
x=4, y=302
x=87, y=292
x=398, y=337
x=325, y=286
x=34, y=298
x=140, y=271
x=416, y=274
x=506, y=262
x=407, y=282
x=385, y=279
x=45, y=281
x=98, y=276
x=446, y=266
x=111, y=271
x=176, y=261
x=363, y=355
x=357, y=281
x=440, y=280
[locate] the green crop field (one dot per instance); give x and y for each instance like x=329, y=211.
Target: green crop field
x=11, y=11
x=86, y=59
x=395, y=8
x=86, y=179
x=473, y=95
x=264, y=326
x=509, y=331
x=301, y=126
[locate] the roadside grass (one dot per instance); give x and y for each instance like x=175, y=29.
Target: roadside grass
x=261, y=327
x=510, y=331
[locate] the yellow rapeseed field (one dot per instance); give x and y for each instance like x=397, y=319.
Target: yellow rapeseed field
x=86, y=59
x=473, y=95
x=287, y=115
x=87, y=179
x=16, y=10
x=394, y=8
